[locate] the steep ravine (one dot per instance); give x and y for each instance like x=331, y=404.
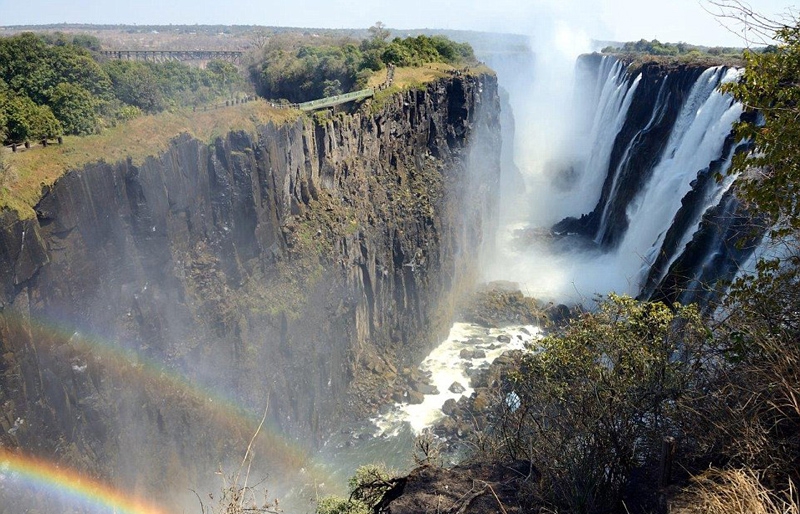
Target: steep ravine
x=287, y=267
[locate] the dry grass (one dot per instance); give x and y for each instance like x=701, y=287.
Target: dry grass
x=416, y=77
x=736, y=491
x=405, y=77
x=30, y=170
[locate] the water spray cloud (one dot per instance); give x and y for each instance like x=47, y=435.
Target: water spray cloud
x=64, y=483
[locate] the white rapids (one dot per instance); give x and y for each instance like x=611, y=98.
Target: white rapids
x=446, y=366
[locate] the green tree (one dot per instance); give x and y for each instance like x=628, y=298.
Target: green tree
x=27, y=121
x=367, y=488
x=595, y=403
x=223, y=75
x=135, y=84
x=770, y=87
x=75, y=108
x=378, y=35
x=5, y=96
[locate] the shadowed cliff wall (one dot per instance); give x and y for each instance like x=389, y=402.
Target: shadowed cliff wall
x=285, y=266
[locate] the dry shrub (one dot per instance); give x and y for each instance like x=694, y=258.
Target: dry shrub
x=753, y=407
x=736, y=491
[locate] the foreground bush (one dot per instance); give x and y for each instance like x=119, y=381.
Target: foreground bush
x=595, y=404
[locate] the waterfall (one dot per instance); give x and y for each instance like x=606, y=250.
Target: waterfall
x=696, y=140
x=657, y=114
x=633, y=190
x=614, y=100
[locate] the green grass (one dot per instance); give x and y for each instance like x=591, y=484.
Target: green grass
x=29, y=171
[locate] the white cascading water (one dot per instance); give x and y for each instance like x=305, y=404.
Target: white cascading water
x=655, y=117
x=584, y=151
x=569, y=270
x=697, y=139
x=613, y=102
x=446, y=367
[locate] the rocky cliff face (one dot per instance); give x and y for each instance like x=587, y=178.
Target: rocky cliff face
x=293, y=266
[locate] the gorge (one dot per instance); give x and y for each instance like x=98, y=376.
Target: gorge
x=151, y=311
x=289, y=262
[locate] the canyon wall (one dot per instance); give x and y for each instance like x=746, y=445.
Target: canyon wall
x=299, y=267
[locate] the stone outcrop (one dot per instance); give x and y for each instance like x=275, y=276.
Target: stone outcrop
x=262, y=268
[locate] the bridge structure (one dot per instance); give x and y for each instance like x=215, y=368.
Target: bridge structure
x=233, y=56
x=332, y=101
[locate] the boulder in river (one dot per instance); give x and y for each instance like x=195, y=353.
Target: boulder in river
x=456, y=388
x=422, y=387
x=415, y=397
x=449, y=407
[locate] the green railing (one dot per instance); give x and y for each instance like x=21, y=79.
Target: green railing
x=330, y=101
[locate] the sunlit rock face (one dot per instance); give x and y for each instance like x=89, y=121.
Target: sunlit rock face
x=150, y=311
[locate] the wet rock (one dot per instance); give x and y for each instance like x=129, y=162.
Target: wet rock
x=478, y=354
x=385, y=409
x=481, y=379
x=473, y=373
x=504, y=360
x=465, y=354
x=423, y=388
x=498, y=304
x=449, y=407
x=503, y=338
x=482, y=401
x=456, y=388
x=558, y=314
x=446, y=428
x=415, y=397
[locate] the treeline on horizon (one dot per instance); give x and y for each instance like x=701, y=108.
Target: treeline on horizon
x=681, y=49
x=54, y=84
x=299, y=69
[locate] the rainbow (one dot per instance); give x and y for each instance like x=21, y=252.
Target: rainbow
x=131, y=366
x=70, y=483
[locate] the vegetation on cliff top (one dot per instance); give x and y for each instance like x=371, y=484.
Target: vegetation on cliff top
x=299, y=70
x=643, y=51
x=54, y=84
x=27, y=172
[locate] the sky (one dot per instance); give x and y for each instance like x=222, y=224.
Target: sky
x=617, y=20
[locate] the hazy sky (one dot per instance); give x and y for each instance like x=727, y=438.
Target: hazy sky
x=666, y=20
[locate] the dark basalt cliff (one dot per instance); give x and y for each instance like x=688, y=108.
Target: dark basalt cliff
x=289, y=264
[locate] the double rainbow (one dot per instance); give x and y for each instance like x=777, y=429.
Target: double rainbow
x=131, y=365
